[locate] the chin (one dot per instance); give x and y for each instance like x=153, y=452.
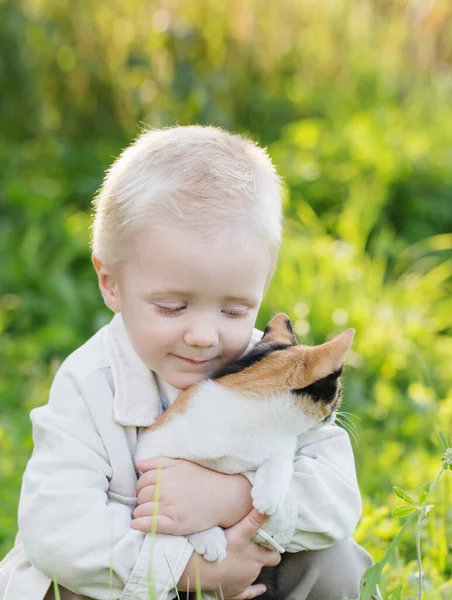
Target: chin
x=185, y=380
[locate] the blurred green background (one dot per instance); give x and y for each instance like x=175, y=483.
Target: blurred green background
x=353, y=100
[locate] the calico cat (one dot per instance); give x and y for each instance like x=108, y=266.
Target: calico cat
x=248, y=416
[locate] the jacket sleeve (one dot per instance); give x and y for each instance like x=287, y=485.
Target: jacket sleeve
x=71, y=528
x=323, y=504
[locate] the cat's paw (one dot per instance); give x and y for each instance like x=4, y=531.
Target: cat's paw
x=211, y=544
x=266, y=499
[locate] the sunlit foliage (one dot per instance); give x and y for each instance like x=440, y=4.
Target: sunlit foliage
x=353, y=100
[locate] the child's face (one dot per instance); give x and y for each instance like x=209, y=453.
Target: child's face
x=189, y=306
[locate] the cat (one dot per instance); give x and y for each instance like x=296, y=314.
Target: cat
x=247, y=417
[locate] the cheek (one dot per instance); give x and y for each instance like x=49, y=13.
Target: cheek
x=152, y=337
x=236, y=342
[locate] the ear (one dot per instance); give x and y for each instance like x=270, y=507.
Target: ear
x=316, y=362
x=335, y=351
x=107, y=285
x=341, y=345
x=280, y=330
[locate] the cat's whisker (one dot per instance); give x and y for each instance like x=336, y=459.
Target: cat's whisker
x=352, y=434
x=348, y=418
x=350, y=415
x=347, y=426
x=350, y=427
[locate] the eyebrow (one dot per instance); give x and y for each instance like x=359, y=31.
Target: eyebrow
x=242, y=299
x=166, y=293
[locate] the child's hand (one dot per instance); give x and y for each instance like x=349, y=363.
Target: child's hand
x=243, y=563
x=191, y=498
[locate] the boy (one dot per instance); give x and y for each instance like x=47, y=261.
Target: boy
x=185, y=240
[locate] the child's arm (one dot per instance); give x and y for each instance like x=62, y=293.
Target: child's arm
x=232, y=577
x=191, y=498
x=323, y=504
x=71, y=527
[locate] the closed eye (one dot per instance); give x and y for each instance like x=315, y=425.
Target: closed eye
x=236, y=314
x=170, y=310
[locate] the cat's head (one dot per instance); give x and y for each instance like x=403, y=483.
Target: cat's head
x=278, y=363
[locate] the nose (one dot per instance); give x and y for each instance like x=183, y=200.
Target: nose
x=201, y=334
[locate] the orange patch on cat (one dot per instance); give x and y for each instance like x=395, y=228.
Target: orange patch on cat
x=280, y=330
x=283, y=370
x=178, y=407
x=291, y=368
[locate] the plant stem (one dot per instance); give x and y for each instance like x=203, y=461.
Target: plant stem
x=435, y=482
x=418, y=552
x=421, y=515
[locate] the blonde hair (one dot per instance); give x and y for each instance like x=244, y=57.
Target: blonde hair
x=219, y=184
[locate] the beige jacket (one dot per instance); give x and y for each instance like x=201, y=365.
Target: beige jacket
x=78, y=489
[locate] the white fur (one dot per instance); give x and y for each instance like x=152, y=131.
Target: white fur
x=231, y=433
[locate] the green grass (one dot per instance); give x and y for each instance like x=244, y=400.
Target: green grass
x=353, y=100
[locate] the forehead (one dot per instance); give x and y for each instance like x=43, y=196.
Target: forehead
x=178, y=259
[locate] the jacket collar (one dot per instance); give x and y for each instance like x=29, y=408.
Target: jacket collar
x=138, y=391
x=137, y=399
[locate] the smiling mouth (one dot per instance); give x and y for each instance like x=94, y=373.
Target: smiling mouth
x=193, y=362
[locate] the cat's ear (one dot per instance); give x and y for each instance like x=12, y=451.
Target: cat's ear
x=331, y=355
x=279, y=330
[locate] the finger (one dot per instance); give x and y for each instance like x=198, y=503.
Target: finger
x=145, y=510
x=149, y=478
x=256, y=519
x=158, y=524
x=251, y=592
x=146, y=494
x=249, y=525
x=159, y=462
x=270, y=558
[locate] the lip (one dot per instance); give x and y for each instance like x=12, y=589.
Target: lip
x=193, y=362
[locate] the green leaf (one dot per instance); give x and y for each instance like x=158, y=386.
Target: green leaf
x=397, y=594
x=443, y=438
x=401, y=494
x=369, y=582
x=423, y=493
x=403, y=510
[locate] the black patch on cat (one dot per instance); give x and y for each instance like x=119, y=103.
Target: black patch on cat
x=324, y=389
x=256, y=354
x=290, y=328
x=267, y=330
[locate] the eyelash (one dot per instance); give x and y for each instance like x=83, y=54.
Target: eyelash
x=236, y=314
x=174, y=311
x=166, y=310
